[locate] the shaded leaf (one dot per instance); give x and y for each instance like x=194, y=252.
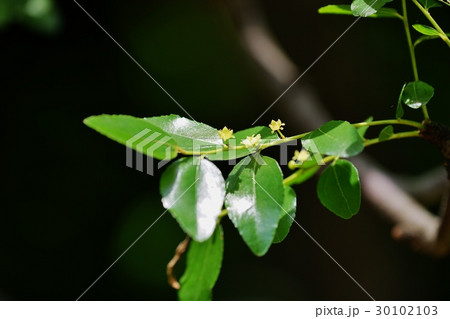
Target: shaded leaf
x=204, y=261
x=363, y=129
x=386, y=133
x=400, y=112
x=365, y=8
x=253, y=200
x=428, y=4
x=417, y=94
x=428, y=37
x=289, y=207
x=337, y=138
x=426, y=30
x=193, y=191
x=339, y=189
x=344, y=9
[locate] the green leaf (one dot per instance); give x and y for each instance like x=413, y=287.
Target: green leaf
x=417, y=94
x=204, y=261
x=135, y=133
x=337, y=138
x=428, y=4
x=447, y=2
x=253, y=200
x=339, y=189
x=344, y=9
x=365, y=8
x=386, y=133
x=266, y=136
x=426, y=30
x=287, y=217
x=428, y=37
x=193, y=191
x=159, y=137
x=363, y=129
x=188, y=134
x=400, y=112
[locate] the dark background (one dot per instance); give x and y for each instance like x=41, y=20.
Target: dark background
x=71, y=206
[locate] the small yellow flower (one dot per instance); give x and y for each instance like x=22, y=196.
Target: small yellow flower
x=301, y=156
x=252, y=141
x=225, y=134
x=276, y=125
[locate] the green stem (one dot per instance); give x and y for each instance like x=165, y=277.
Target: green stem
x=410, y=43
x=411, y=51
x=395, y=136
x=300, y=136
x=289, y=180
x=387, y=122
x=427, y=14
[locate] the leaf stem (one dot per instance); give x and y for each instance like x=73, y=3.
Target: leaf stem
x=299, y=136
x=387, y=122
x=291, y=178
x=392, y=137
x=411, y=51
x=427, y=14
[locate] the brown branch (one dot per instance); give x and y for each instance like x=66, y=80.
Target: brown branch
x=412, y=222
x=427, y=188
x=179, y=251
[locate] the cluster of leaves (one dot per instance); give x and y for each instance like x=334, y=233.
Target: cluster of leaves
x=255, y=196
x=39, y=15
x=377, y=9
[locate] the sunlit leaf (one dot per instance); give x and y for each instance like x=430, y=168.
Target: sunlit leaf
x=417, y=94
x=344, y=9
x=253, y=200
x=193, y=191
x=337, y=138
x=135, y=133
x=365, y=8
x=426, y=30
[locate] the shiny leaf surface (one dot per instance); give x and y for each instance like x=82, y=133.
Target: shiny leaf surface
x=193, y=191
x=337, y=138
x=365, y=8
x=344, y=9
x=417, y=94
x=254, y=198
x=189, y=135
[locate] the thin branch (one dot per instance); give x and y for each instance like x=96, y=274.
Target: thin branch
x=179, y=251
x=412, y=222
